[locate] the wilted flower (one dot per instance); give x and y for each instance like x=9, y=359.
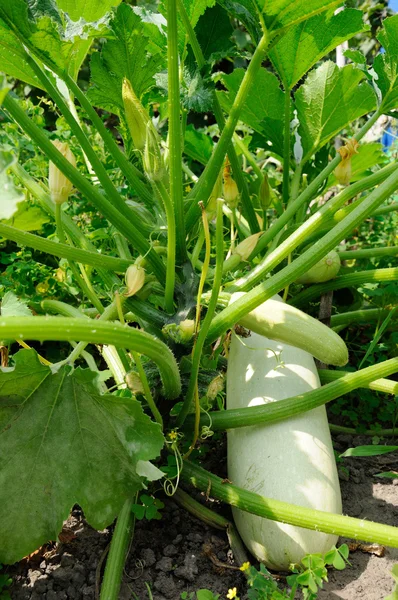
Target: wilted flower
x=245, y=248
x=135, y=279
x=343, y=169
x=59, y=184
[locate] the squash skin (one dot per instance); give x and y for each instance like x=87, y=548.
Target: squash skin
x=291, y=460
x=287, y=324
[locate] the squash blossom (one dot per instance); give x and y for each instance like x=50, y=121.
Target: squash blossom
x=135, y=279
x=343, y=169
x=136, y=116
x=59, y=184
x=230, y=189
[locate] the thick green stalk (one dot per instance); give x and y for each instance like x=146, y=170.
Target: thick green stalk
x=387, y=386
x=97, y=332
x=80, y=182
x=231, y=315
x=143, y=310
x=286, y=150
x=351, y=279
x=199, y=511
x=171, y=246
x=24, y=238
x=147, y=390
x=100, y=171
x=284, y=409
x=61, y=308
x=248, y=209
x=204, y=186
x=368, y=253
x=132, y=174
x=386, y=209
x=322, y=216
x=208, y=318
x=306, y=195
x=174, y=137
x=118, y=553
x=359, y=316
x=268, y=508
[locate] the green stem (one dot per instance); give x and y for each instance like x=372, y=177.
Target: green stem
x=132, y=174
x=351, y=279
x=368, y=253
x=204, y=186
x=249, y=156
x=387, y=386
x=171, y=246
x=322, y=216
x=175, y=145
x=80, y=182
x=118, y=553
x=97, y=332
x=94, y=259
x=284, y=409
x=386, y=209
x=199, y=511
x=59, y=225
x=147, y=390
x=61, y=308
x=208, y=318
x=286, y=149
x=231, y=315
x=359, y=316
x=85, y=287
x=233, y=158
x=292, y=514
x=306, y=195
x=86, y=147
x=351, y=431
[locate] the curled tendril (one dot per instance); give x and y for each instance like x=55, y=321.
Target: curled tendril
x=169, y=486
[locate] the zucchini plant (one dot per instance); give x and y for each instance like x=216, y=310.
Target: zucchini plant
x=200, y=227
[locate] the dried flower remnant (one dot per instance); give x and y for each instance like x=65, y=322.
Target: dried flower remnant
x=343, y=169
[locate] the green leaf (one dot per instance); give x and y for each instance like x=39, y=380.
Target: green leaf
x=369, y=451
x=328, y=101
x=386, y=65
x=12, y=57
x=280, y=14
x=264, y=108
x=388, y=475
x=139, y=511
x=62, y=443
x=126, y=55
x=356, y=56
x=306, y=43
x=28, y=218
x=214, y=32
x=89, y=10
x=245, y=11
x=197, y=145
x=206, y=595
x=369, y=155
x=10, y=197
x=12, y=306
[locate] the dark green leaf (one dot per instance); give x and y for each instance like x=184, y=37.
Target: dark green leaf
x=214, y=32
x=197, y=145
x=62, y=443
x=386, y=65
x=388, y=475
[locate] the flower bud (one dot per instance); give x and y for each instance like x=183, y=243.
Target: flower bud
x=327, y=268
x=343, y=170
x=136, y=115
x=231, y=192
x=264, y=193
x=211, y=206
x=181, y=333
x=152, y=159
x=134, y=383
x=245, y=248
x=135, y=279
x=59, y=184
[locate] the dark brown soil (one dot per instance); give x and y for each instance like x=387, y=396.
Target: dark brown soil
x=168, y=555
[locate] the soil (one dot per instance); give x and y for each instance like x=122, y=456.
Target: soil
x=168, y=555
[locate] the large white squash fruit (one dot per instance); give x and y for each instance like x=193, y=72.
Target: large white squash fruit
x=291, y=460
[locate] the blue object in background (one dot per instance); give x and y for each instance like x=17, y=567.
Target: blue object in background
x=388, y=138
x=393, y=4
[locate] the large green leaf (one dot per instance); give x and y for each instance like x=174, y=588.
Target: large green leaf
x=4, y=88
x=214, y=32
x=197, y=145
x=10, y=197
x=126, y=55
x=386, y=65
x=280, y=14
x=304, y=44
x=28, y=217
x=12, y=306
x=89, y=10
x=245, y=11
x=264, y=108
x=62, y=443
x=12, y=57
x=329, y=100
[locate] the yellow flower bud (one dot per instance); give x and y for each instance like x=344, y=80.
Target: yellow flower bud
x=59, y=184
x=153, y=159
x=231, y=192
x=135, y=279
x=343, y=170
x=245, y=248
x=211, y=206
x=136, y=115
